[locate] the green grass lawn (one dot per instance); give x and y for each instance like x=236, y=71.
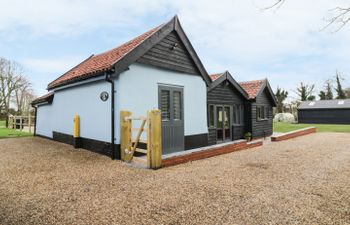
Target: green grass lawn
x=286, y=127
x=9, y=133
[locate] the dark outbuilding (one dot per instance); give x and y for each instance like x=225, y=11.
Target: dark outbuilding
x=259, y=107
x=226, y=100
x=237, y=108
x=325, y=112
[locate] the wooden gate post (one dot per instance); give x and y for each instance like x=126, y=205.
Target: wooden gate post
x=30, y=123
x=125, y=133
x=76, y=131
x=154, y=139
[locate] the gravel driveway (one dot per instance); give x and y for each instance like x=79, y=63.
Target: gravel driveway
x=301, y=181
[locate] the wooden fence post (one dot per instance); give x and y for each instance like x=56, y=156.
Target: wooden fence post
x=154, y=139
x=30, y=123
x=20, y=123
x=125, y=134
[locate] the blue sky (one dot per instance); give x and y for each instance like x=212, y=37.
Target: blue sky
x=285, y=45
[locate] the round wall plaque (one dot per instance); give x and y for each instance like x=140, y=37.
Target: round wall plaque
x=104, y=96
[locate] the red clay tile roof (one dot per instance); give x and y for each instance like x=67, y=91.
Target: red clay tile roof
x=252, y=87
x=101, y=62
x=215, y=76
x=44, y=98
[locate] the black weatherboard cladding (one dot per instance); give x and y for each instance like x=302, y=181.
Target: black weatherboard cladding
x=324, y=116
x=225, y=94
x=170, y=53
x=262, y=128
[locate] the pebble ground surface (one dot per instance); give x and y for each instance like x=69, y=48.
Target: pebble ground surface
x=305, y=180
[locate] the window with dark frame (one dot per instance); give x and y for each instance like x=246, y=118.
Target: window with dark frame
x=238, y=114
x=234, y=114
x=211, y=113
x=262, y=112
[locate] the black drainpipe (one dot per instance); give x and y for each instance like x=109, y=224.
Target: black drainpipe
x=108, y=79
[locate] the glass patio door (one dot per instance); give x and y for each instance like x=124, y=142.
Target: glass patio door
x=223, y=123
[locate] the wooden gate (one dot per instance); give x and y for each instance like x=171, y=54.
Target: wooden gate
x=129, y=144
x=22, y=123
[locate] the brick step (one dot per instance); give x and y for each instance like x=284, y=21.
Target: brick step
x=215, y=150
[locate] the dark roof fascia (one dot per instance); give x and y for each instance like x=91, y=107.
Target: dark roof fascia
x=216, y=82
x=80, y=79
x=165, y=30
x=226, y=76
x=42, y=101
x=192, y=52
x=266, y=84
x=100, y=77
x=236, y=85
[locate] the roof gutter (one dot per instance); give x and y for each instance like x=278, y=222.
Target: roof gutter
x=109, y=80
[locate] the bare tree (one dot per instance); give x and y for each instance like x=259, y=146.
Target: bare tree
x=339, y=16
x=21, y=95
x=11, y=77
x=277, y=4
x=27, y=97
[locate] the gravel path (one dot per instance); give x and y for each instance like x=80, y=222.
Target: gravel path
x=301, y=181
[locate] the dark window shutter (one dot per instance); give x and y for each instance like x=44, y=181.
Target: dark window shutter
x=165, y=104
x=177, y=105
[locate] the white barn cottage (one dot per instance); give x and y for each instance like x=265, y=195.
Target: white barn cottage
x=158, y=69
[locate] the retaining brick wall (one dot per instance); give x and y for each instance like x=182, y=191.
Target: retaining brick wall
x=293, y=134
x=192, y=156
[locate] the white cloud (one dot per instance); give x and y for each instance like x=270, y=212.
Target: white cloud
x=44, y=70
x=284, y=45
x=50, y=65
x=69, y=17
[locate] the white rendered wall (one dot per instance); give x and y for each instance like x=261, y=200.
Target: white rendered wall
x=137, y=91
x=84, y=100
x=43, y=122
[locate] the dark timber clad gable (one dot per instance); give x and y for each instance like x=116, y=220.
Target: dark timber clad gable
x=226, y=91
x=225, y=95
x=170, y=53
x=261, y=128
x=173, y=26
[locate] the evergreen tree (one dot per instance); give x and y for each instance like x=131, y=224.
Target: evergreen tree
x=281, y=95
x=311, y=98
x=339, y=89
x=322, y=95
x=329, y=92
